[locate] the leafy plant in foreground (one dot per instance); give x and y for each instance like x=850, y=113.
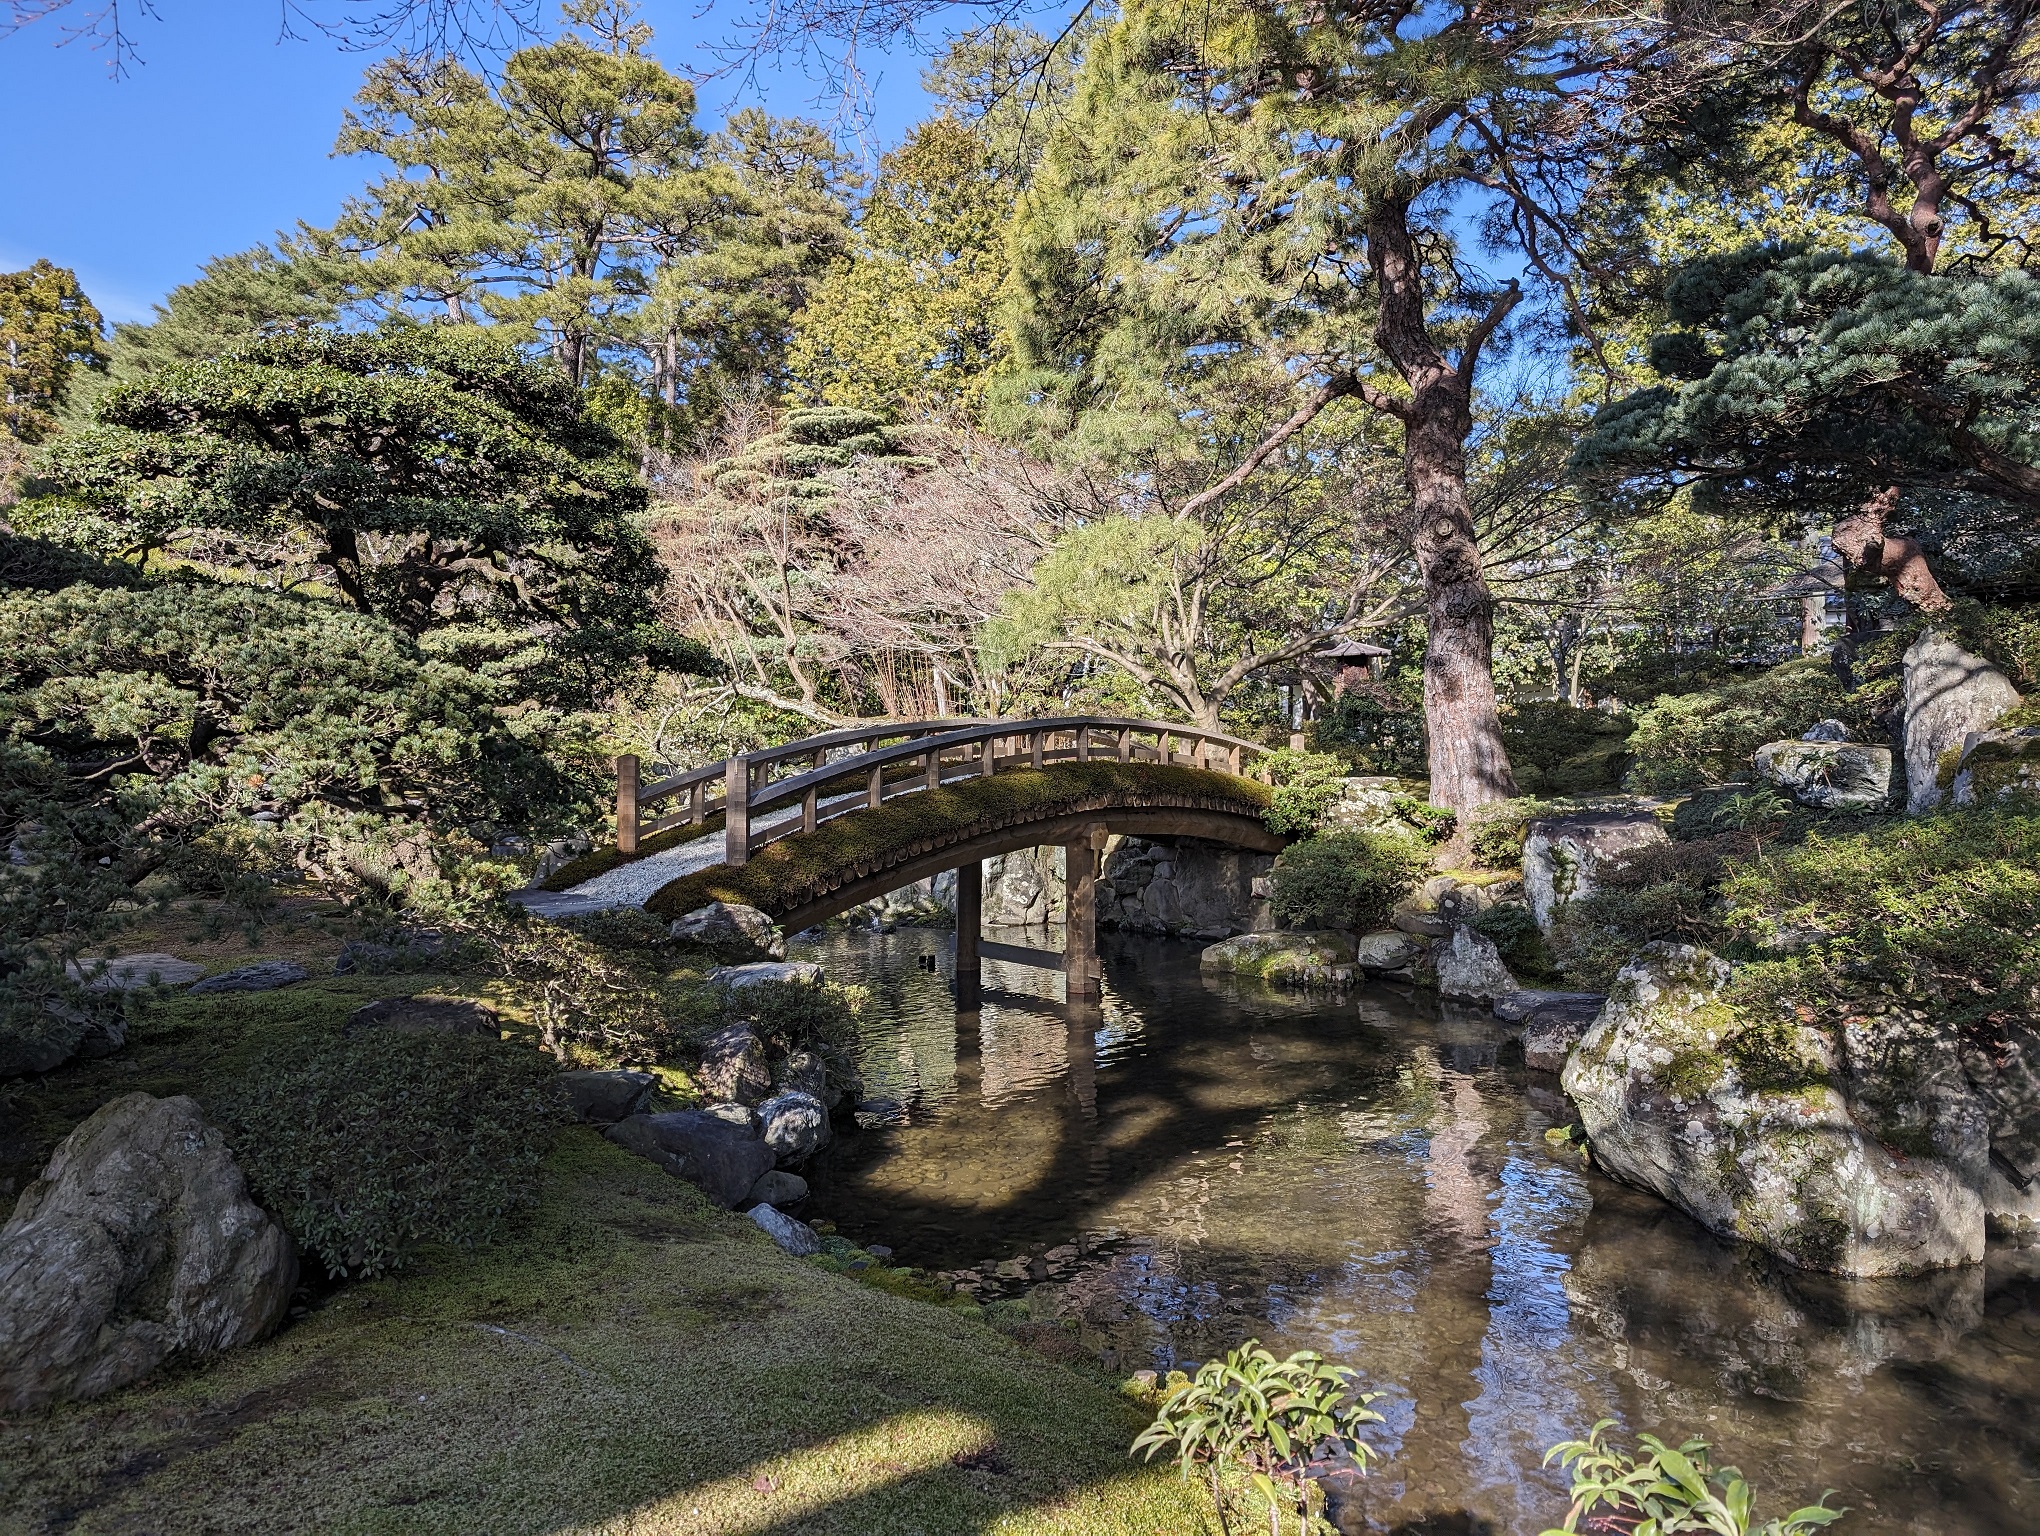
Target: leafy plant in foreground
x=1265, y=1417
x=1666, y=1491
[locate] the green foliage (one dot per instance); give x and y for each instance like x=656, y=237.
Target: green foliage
x=235, y=298
x=1519, y=940
x=1811, y=380
x=1307, y=784
x=367, y=1147
x=602, y=989
x=1689, y=740
x=1559, y=750
x=785, y=874
x=1667, y=1491
x=1935, y=909
x=798, y=1016
x=48, y=331
x=1660, y=892
x=1345, y=879
x=911, y=321
x=428, y=474
x=208, y=729
x=1497, y=831
x=788, y=470
x=1266, y=1418
x=1375, y=731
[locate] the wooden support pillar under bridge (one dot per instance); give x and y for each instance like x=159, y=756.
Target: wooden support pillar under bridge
x=1083, y=975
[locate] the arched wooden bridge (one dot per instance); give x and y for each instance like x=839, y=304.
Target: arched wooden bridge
x=784, y=793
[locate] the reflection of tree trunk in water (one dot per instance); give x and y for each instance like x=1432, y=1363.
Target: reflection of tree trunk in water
x=1083, y=1053
x=1868, y=551
x=1457, y=1236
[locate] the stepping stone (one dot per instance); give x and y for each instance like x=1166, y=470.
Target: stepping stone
x=265, y=976
x=130, y=973
x=425, y=1014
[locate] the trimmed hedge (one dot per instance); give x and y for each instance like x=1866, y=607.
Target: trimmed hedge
x=796, y=870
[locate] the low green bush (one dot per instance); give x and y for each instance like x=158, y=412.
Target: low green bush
x=1708, y=737
x=1667, y=891
x=1497, y=831
x=603, y=989
x=1307, y=785
x=1345, y=879
x=1556, y=749
x=1375, y=730
x=1940, y=910
x=1521, y=942
x=367, y=1147
x=797, y=1016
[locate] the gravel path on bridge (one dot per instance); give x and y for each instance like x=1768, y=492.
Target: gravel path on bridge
x=635, y=883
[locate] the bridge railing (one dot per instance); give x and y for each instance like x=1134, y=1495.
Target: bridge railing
x=849, y=770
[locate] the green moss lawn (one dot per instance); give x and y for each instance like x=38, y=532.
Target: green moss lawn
x=628, y=1359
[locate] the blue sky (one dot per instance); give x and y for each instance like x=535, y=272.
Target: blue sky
x=223, y=136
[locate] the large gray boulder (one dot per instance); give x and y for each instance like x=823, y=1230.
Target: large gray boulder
x=720, y=1156
x=1390, y=949
x=138, y=1242
x=1744, y=1125
x=604, y=1097
x=1317, y=959
x=1470, y=968
x=794, y=1125
x=1828, y=775
x=59, y=1032
x=1948, y=694
x=1184, y=886
x=1024, y=889
x=1563, y=857
x=802, y=1072
x=733, y=1067
x=777, y=1187
x=766, y=973
x=426, y=1013
x=731, y=925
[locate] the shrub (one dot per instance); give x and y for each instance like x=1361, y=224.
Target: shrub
x=1520, y=941
x=1345, y=879
x=1669, y=891
x=1559, y=750
x=1307, y=784
x=600, y=987
x=798, y=1016
x=367, y=1147
x=1937, y=909
x=1498, y=831
x=1374, y=730
x=1708, y=737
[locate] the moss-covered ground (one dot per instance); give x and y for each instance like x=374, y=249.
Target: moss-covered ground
x=627, y=1359
x=784, y=874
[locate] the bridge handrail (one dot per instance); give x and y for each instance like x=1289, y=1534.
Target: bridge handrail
x=743, y=797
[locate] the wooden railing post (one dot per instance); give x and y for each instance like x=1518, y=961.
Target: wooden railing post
x=737, y=811
x=1125, y=745
x=695, y=796
x=934, y=756
x=626, y=803
x=874, y=791
x=1034, y=749
x=1083, y=743
x=987, y=766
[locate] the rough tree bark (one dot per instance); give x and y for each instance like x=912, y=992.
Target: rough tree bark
x=1469, y=765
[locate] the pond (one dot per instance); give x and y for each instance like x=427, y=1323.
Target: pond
x=1196, y=1162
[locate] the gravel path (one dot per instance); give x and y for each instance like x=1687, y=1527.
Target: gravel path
x=635, y=883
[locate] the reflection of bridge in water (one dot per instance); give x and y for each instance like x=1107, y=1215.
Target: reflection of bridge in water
x=958, y=792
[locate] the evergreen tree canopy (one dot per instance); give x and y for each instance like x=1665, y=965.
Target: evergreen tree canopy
x=428, y=474
x=1808, y=382
x=48, y=331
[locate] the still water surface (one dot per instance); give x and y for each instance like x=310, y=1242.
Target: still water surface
x=1200, y=1161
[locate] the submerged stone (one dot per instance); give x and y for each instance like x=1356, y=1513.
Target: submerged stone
x=1323, y=958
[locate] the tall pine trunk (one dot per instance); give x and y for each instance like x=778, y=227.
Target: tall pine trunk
x=1469, y=765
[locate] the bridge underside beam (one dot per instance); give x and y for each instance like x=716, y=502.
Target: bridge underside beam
x=1234, y=830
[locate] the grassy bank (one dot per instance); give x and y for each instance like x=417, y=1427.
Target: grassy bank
x=630, y=1361
x=626, y=1359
